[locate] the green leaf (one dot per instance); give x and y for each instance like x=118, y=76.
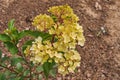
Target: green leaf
x=15, y=35
x=53, y=72
x=7, y=73
x=31, y=64
x=33, y=33
x=54, y=18
x=40, y=77
x=15, y=60
x=12, y=76
x=4, y=59
x=36, y=33
x=29, y=33
x=4, y=37
x=26, y=73
x=11, y=24
x=19, y=67
x=15, y=78
x=2, y=76
x=47, y=66
x=46, y=37
x=23, y=33
x=22, y=78
x=11, y=47
x=26, y=44
x=39, y=68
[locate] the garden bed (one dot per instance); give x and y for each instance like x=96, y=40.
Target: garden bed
x=100, y=20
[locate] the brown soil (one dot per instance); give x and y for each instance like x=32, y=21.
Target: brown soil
x=101, y=53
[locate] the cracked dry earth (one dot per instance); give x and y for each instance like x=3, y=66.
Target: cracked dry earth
x=101, y=22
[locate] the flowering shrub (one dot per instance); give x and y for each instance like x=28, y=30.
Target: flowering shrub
x=53, y=46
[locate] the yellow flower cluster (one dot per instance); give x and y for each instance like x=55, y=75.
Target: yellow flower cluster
x=64, y=14
x=69, y=63
x=68, y=33
x=40, y=52
x=43, y=22
x=60, y=10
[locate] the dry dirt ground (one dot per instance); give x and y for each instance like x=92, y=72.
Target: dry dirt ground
x=101, y=22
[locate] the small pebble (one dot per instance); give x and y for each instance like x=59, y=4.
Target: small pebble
x=98, y=6
x=59, y=78
x=90, y=35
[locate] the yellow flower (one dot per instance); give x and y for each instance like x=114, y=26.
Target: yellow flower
x=62, y=70
x=60, y=10
x=60, y=46
x=64, y=13
x=43, y=22
x=38, y=58
x=45, y=58
x=68, y=55
x=76, y=55
x=40, y=52
x=70, y=18
x=27, y=51
x=71, y=69
x=58, y=55
x=76, y=64
x=50, y=60
x=66, y=64
x=72, y=60
x=68, y=33
x=70, y=63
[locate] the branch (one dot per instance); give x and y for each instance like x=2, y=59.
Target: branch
x=12, y=70
x=28, y=63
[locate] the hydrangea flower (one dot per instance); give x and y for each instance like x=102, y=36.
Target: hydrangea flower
x=68, y=34
x=64, y=14
x=43, y=22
